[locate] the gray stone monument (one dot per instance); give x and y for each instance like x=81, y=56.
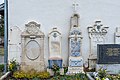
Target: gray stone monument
x=32, y=48
x=75, y=53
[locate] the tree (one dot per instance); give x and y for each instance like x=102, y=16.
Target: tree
x=2, y=26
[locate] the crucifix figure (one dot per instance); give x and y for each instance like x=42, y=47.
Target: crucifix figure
x=75, y=5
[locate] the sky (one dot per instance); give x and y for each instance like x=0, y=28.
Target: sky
x=1, y=1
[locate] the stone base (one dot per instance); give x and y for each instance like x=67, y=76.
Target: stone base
x=74, y=70
x=111, y=68
x=28, y=66
x=55, y=61
x=92, y=63
x=52, y=72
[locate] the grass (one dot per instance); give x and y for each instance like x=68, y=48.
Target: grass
x=1, y=51
x=1, y=73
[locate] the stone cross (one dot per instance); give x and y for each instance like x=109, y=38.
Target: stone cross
x=75, y=5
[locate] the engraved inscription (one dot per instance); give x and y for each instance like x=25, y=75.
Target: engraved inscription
x=112, y=51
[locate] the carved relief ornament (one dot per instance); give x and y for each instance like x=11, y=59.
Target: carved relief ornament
x=32, y=28
x=97, y=29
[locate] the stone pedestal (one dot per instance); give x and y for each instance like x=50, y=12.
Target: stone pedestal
x=111, y=68
x=75, y=65
x=109, y=58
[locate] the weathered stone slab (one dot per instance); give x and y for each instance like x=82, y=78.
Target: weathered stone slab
x=32, y=56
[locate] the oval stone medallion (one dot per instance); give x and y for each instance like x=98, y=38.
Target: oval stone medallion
x=32, y=50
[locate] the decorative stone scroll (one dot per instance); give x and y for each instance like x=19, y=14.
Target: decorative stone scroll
x=75, y=55
x=117, y=35
x=55, y=48
x=32, y=48
x=97, y=34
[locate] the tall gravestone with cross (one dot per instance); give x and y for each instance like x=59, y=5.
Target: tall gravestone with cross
x=75, y=37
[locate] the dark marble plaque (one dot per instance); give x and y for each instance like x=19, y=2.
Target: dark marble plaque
x=108, y=53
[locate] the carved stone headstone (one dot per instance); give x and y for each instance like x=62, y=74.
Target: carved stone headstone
x=75, y=54
x=55, y=57
x=117, y=35
x=55, y=48
x=32, y=48
x=97, y=34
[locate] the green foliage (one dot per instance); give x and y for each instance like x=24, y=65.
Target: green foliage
x=43, y=75
x=32, y=74
x=79, y=76
x=19, y=74
x=102, y=73
x=114, y=77
x=1, y=67
x=2, y=51
x=56, y=70
x=13, y=66
x=2, y=26
x=65, y=70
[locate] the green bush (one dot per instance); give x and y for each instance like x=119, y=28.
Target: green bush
x=43, y=75
x=32, y=74
x=114, y=77
x=19, y=74
x=1, y=67
x=56, y=70
x=65, y=70
x=102, y=73
x=13, y=65
x=79, y=76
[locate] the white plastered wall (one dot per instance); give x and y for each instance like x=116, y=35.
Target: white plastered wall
x=57, y=13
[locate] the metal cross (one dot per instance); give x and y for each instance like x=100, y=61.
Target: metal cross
x=75, y=5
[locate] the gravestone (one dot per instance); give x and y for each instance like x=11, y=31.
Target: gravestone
x=97, y=35
x=32, y=48
x=117, y=35
x=55, y=57
x=108, y=54
x=75, y=53
x=14, y=43
x=109, y=57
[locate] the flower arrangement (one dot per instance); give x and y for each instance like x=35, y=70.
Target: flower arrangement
x=13, y=66
x=56, y=70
